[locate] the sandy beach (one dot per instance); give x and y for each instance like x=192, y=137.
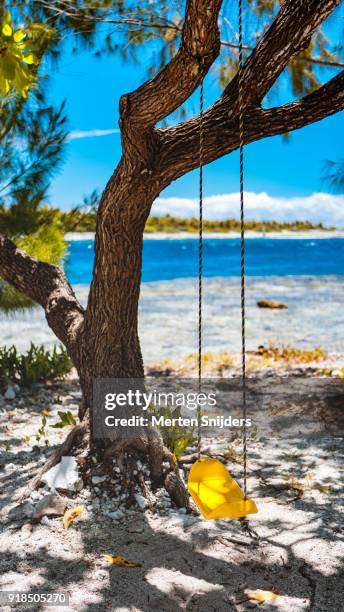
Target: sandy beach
x=185, y=562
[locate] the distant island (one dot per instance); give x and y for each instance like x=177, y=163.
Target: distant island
x=171, y=225
x=79, y=221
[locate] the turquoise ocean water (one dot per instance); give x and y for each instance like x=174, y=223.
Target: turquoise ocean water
x=177, y=258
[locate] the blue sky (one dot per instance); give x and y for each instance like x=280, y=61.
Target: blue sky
x=92, y=87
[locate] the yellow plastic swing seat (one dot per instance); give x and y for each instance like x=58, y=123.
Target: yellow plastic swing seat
x=216, y=494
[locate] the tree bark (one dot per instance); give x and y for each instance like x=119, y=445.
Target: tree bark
x=109, y=341
x=109, y=338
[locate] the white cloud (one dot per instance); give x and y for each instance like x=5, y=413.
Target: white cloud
x=77, y=134
x=318, y=208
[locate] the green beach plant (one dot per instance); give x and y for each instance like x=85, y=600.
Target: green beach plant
x=42, y=432
x=66, y=420
x=291, y=354
x=37, y=364
x=176, y=437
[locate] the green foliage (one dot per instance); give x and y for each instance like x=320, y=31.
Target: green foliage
x=24, y=179
x=66, y=420
x=177, y=438
x=26, y=170
x=82, y=218
x=304, y=74
x=42, y=432
x=32, y=135
x=126, y=27
x=46, y=244
x=78, y=221
x=123, y=27
x=20, y=56
x=175, y=224
x=37, y=364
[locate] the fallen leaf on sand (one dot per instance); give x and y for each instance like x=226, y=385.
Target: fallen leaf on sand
x=309, y=476
x=262, y=595
x=276, y=411
x=323, y=488
x=121, y=561
x=46, y=412
x=70, y=516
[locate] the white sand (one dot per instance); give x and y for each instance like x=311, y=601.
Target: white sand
x=187, y=563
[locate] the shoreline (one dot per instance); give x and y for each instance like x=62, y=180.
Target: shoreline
x=313, y=317
x=313, y=234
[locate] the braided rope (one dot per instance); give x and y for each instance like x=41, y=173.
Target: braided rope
x=242, y=254
x=200, y=265
x=242, y=251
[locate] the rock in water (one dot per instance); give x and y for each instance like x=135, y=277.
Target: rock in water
x=64, y=475
x=271, y=304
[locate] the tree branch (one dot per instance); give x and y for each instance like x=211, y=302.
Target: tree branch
x=160, y=24
x=163, y=94
x=325, y=101
x=45, y=284
x=289, y=34
x=319, y=61
x=180, y=145
x=66, y=9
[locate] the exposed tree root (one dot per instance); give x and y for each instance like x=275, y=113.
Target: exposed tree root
x=146, y=441
x=157, y=453
x=147, y=493
x=176, y=490
x=148, y=445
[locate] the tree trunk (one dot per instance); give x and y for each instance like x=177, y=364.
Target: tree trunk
x=110, y=345
x=109, y=342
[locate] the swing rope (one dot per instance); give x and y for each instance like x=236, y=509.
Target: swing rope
x=242, y=251
x=200, y=266
x=216, y=494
